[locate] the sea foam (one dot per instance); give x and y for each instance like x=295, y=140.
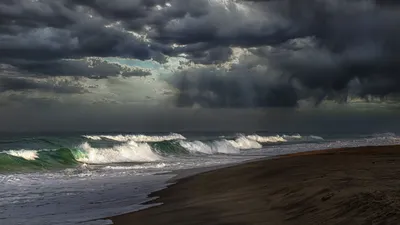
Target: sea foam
x=219, y=146
x=137, y=138
x=25, y=154
x=127, y=152
x=243, y=142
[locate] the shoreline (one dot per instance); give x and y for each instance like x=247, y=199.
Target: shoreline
x=325, y=186
x=187, y=173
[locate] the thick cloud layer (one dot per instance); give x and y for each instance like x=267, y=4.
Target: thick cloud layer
x=15, y=84
x=320, y=49
x=90, y=68
x=236, y=53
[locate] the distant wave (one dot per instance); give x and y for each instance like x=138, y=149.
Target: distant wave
x=384, y=135
x=242, y=141
x=136, y=138
x=267, y=139
x=283, y=138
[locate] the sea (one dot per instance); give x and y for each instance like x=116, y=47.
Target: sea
x=80, y=178
x=83, y=178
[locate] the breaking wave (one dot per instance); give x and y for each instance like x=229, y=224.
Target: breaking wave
x=25, y=154
x=213, y=147
x=243, y=142
x=28, y=160
x=282, y=138
x=128, y=152
x=132, y=149
x=136, y=138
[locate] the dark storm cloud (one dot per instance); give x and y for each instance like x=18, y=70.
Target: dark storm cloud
x=313, y=48
x=221, y=24
x=82, y=40
x=160, y=58
x=66, y=29
x=351, y=43
x=326, y=50
x=211, y=56
x=74, y=29
x=240, y=88
x=30, y=14
x=136, y=73
x=121, y=9
x=26, y=84
x=91, y=68
x=50, y=30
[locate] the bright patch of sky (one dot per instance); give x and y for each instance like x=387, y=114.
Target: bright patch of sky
x=148, y=64
x=172, y=65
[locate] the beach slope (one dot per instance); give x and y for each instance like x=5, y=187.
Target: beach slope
x=340, y=186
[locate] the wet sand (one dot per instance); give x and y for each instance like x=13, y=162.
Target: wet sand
x=340, y=186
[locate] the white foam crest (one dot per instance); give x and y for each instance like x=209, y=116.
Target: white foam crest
x=25, y=154
x=220, y=146
x=127, y=152
x=92, y=137
x=244, y=143
x=299, y=137
x=138, y=138
x=266, y=139
x=281, y=138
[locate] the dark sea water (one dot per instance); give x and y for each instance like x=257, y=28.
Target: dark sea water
x=79, y=177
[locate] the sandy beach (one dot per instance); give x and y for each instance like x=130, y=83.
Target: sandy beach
x=340, y=186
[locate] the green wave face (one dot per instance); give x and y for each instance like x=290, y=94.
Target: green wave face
x=70, y=157
x=168, y=148
x=12, y=163
x=46, y=160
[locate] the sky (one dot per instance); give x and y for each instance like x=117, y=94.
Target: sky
x=85, y=58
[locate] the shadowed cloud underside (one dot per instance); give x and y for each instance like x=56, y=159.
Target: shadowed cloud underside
x=198, y=53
